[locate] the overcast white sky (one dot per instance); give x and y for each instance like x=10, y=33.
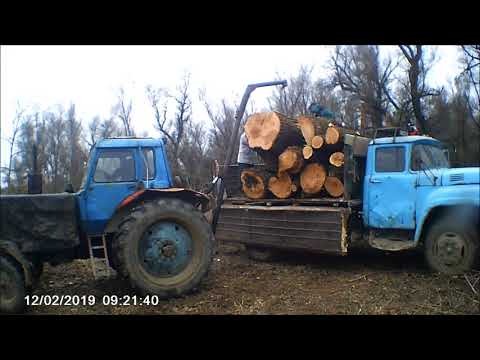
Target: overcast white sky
x=89, y=76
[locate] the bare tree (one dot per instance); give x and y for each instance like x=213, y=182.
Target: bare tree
x=123, y=109
x=418, y=68
x=12, y=142
x=173, y=129
x=359, y=71
x=471, y=76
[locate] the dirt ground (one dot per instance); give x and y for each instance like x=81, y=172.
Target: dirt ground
x=362, y=283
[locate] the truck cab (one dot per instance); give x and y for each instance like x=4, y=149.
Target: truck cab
x=412, y=197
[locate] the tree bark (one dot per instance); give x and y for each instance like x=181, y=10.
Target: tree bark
x=334, y=186
x=290, y=160
x=272, y=131
x=254, y=183
x=312, y=178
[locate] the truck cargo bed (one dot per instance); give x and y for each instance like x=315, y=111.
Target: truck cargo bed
x=311, y=227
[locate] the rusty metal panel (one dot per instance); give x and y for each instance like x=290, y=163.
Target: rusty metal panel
x=313, y=228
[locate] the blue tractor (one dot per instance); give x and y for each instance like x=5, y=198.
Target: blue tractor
x=127, y=214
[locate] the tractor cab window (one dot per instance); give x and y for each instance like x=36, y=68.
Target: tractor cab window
x=115, y=166
x=390, y=159
x=148, y=157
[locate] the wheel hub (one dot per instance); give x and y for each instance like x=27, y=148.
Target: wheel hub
x=450, y=248
x=165, y=249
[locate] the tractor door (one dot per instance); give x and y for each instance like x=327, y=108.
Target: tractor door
x=114, y=177
x=391, y=189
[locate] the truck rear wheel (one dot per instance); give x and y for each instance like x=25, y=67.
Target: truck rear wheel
x=164, y=247
x=450, y=247
x=12, y=287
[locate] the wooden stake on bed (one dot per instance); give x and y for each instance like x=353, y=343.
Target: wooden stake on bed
x=334, y=186
x=312, y=178
x=254, y=183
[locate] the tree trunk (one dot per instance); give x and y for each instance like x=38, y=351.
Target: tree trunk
x=254, y=183
x=282, y=186
x=334, y=186
x=312, y=178
x=311, y=126
x=290, y=160
x=272, y=131
x=337, y=159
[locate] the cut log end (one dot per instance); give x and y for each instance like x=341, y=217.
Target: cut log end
x=312, y=178
x=307, y=128
x=332, y=135
x=337, y=159
x=317, y=142
x=307, y=152
x=290, y=160
x=253, y=184
x=334, y=186
x=262, y=130
x=281, y=186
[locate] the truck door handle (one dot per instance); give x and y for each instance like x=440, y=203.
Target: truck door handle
x=376, y=181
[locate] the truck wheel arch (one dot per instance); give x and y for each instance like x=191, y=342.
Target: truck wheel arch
x=195, y=198
x=439, y=211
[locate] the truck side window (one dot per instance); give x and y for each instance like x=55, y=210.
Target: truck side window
x=115, y=166
x=149, y=156
x=390, y=159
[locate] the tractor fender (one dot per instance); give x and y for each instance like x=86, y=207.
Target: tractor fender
x=196, y=198
x=11, y=250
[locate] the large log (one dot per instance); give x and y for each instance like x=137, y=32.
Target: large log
x=254, y=183
x=334, y=186
x=311, y=126
x=282, y=186
x=312, y=178
x=291, y=160
x=272, y=131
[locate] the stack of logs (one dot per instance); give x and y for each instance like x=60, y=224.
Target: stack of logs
x=303, y=157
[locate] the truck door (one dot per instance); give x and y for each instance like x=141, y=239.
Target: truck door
x=391, y=189
x=114, y=177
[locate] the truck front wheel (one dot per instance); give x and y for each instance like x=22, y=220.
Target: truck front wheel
x=164, y=247
x=450, y=247
x=12, y=287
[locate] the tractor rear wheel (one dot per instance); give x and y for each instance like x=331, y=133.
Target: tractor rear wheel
x=12, y=287
x=165, y=247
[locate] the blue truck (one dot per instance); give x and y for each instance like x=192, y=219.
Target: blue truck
x=127, y=214
x=400, y=194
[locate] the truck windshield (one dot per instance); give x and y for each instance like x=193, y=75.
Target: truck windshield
x=432, y=157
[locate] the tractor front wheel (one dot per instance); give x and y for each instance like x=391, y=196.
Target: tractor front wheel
x=165, y=247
